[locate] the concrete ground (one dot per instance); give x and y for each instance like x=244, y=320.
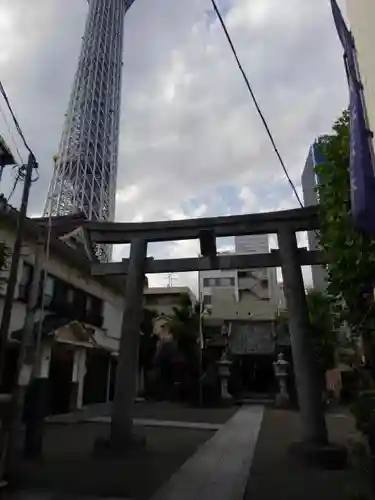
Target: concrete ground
x=69, y=468
x=154, y=410
x=195, y=463
x=275, y=474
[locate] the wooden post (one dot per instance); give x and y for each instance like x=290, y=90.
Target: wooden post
x=126, y=375
x=309, y=395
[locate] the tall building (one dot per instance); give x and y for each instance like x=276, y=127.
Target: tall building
x=240, y=294
x=361, y=14
x=255, y=244
x=310, y=197
x=85, y=172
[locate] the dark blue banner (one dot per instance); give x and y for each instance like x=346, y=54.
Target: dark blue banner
x=362, y=177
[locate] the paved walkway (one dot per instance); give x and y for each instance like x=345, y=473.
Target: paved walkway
x=220, y=468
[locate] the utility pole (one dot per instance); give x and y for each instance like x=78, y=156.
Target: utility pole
x=201, y=340
x=25, y=360
x=12, y=281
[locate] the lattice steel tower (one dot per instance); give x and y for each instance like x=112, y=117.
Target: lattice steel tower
x=85, y=172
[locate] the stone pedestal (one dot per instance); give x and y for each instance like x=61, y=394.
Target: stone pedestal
x=224, y=372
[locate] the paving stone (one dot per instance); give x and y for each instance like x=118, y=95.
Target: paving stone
x=220, y=468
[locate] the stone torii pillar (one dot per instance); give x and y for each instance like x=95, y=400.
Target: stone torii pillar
x=309, y=395
x=121, y=434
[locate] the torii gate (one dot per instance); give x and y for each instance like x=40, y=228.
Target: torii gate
x=289, y=257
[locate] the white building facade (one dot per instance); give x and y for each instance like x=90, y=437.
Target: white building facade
x=240, y=294
x=310, y=197
x=79, y=321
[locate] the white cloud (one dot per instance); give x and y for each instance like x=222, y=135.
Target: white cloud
x=189, y=129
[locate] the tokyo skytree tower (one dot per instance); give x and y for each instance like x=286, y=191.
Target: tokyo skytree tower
x=85, y=172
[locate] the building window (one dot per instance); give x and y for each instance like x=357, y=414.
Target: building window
x=212, y=282
x=264, y=284
x=49, y=290
x=167, y=300
x=151, y=300
x=207, y=300
x=70, y=296
x=225, y=282
x=25, y=281
x=60, y=291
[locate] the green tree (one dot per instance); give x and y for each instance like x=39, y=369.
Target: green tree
x=4, y=256
x=322, y=328
x=185, y=329
x=148, y=340
x=350, y=252
x=184, y=326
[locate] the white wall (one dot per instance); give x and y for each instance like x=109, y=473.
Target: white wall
x=225, y=307
x=113, y=304
x=217, y=273
x=112, y=319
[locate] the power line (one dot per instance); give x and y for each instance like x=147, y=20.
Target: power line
x=11, y=134
x=21, y=173
x=222, y=22
x=4, y=94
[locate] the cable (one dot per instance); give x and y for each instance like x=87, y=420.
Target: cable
x=217, y=11
x=20, y=176
x=11, y=135
x=4, y=94
x=21, y=168
x=13, y=188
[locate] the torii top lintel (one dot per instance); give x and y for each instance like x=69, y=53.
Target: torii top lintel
x=300, y=219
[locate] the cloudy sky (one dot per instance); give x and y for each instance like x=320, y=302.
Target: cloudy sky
x=191, y=142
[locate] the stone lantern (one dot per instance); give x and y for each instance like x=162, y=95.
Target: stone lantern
x=281, y=368
x=224, y=373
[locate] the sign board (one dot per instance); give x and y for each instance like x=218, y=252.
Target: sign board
x=252, y=338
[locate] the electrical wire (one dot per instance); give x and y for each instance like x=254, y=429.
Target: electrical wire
x=264, y=121
x=13, y=188
x=19, y=130
x=21, y=169
x=11, y=135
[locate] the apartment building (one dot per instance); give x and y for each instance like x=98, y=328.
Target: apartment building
x=240, y=294
x=80, y=322
x=310, y=197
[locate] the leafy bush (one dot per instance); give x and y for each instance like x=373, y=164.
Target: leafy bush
x=363, y=410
